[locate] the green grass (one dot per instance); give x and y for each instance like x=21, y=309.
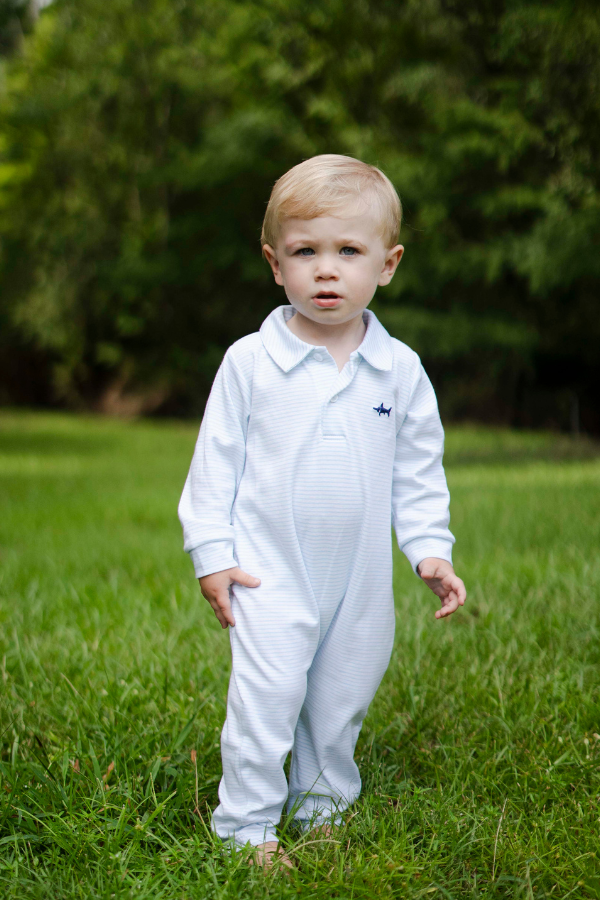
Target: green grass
x=480, y=755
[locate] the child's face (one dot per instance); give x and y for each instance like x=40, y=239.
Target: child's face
x=330, y=266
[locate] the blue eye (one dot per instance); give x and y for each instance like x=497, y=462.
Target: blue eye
x=305, y=251
x=348, y=251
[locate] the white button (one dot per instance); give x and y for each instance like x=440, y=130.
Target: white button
x=318, y=357
x=334, y=398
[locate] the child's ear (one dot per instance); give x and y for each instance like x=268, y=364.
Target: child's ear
x=271, y=258
x=392, y=258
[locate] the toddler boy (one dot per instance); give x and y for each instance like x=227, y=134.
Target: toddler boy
x=321, y=431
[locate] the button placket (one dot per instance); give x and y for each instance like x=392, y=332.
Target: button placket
x=319, y=370
x=332, y=415
x=344, y=378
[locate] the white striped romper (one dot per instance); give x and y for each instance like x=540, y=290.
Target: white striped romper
x=298, y=474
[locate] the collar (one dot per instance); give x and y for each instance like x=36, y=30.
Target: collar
x=287, y=350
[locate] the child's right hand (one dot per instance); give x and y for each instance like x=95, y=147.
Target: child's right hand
x=215, y=589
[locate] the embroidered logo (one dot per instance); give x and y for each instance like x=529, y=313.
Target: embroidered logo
x=381, y=409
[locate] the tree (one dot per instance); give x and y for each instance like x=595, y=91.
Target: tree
x=140, y=143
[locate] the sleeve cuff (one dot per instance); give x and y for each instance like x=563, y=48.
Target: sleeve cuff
x=420, y=548
x=212, y=557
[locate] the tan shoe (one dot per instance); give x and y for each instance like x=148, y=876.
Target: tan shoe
x=270, y=854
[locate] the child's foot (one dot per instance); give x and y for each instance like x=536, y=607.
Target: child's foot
x=270, y=853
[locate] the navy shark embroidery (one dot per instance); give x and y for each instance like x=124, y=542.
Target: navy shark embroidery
x=381, y=409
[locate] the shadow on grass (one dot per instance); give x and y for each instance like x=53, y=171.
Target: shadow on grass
x=470, y=445
x=52, y=443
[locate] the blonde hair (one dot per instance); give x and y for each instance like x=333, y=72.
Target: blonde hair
x=323, y=185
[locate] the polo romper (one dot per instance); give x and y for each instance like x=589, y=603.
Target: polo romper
x=298, y=473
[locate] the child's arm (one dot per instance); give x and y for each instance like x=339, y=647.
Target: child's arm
x=211, y=486
x=420, y=497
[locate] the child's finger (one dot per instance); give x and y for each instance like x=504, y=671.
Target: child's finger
x=215, y=608
x=222, y=622
x=222, y=607
x=456, y=586
x=449, y=605
x=457, y=589
x=241, y=577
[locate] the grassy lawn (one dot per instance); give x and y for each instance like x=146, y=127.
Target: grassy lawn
x=480, y=756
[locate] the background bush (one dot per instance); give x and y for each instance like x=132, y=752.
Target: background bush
x=139, y=142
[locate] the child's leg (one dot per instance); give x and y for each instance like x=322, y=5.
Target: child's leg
x=273, y=644
x=342, y=681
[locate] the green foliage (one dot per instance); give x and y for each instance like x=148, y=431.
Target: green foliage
x=16, y=18
x=480, y=756
x=140, y=143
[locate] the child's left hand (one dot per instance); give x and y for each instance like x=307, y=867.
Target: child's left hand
x=439, y=575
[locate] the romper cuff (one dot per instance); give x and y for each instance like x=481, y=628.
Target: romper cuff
x=420, y=548
x=213, y=556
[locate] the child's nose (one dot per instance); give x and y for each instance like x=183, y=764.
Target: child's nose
x=326, y=268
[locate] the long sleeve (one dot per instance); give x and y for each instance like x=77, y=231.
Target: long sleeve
x=217, y=465
x=420, y=495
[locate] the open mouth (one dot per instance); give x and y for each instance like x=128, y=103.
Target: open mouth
x=326, y=299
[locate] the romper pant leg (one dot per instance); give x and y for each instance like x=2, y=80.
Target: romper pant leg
x=342, y=681
x=273, y=644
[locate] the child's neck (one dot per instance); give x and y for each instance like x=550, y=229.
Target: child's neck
x=340, y=340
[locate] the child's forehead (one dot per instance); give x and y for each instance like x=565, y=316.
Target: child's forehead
x=360, y=223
